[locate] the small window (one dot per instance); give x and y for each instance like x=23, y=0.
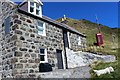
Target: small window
x=34, y=8
x=43, y=55
x=41, y=28
x=7, y=25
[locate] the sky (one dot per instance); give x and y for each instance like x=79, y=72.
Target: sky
x=107, y=12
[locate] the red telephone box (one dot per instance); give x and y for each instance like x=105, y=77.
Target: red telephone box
x=99, y=39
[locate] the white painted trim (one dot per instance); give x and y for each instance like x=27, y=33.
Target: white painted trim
x=68, y=35
x=46, y=59
x=34, y=9
x=63, y=58
x=44, y=31
x=29, y=6
x=40, y=12
x=79, y=41
x=67, y=55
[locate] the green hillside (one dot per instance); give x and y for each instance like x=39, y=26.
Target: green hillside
x=90, y=29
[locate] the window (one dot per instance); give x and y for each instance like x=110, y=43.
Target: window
x=34, y=8
x=41, y=28
x=37, y=9
x=43, y=55
x=79, y=40
x=7, y=25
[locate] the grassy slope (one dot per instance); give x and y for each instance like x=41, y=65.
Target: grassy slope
x=90, y=29
x=115, y=74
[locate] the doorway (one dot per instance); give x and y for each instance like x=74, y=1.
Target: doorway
x=59, y=59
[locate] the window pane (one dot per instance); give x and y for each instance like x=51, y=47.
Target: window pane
x=42, y=58
x=40, y=24
x=40, y=28
x=37, y=6
x=42, y=51
x=37, y=12
x=31, y=3
x=40, y=32
x=7, y=25
x=31, y=9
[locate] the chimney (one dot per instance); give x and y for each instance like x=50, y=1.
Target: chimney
x=64, y=19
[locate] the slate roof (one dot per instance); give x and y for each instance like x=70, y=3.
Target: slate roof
x=45, y=18
x=62, y=25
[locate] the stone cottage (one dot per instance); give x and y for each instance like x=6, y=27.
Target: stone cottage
x=29, y=40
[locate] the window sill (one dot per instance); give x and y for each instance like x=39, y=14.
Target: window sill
x=43, y=61
x=42, y=34
x=33, y=13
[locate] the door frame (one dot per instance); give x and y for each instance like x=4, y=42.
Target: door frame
x=62, y=57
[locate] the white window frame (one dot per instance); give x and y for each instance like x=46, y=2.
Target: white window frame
x=44, y=28
x=45, y=55
x=34, y=9
x=79, y=41
x=68, y=35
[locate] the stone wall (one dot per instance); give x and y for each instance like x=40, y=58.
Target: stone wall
x=74, y=42
x=19, y=50
x=26, y=43
x=79, y=58
x=7, y=47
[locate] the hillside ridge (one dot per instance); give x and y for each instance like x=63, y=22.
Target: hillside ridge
x=90, y=29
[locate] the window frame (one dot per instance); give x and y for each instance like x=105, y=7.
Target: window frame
x=68, y=35
x=79, y=40
x=45, y=55
x=35, y=8
x=31, y=6
x=44, y=28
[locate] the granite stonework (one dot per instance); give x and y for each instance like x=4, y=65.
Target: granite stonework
x=19, y=50
x=6, y=40
x=74, y=42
